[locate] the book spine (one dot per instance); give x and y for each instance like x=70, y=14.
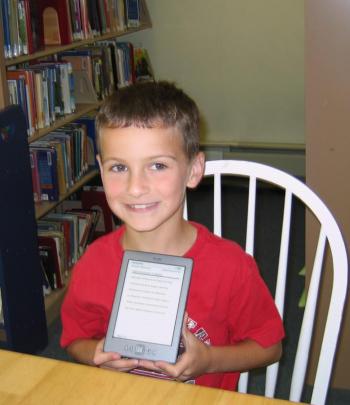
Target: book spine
x=35, y=175
x=39, y=93
x=14, y=32
x=23, y=100
x=85, y=19
x=132, y=13
x=47, y=167
x=22, y=28
x=6, y=28
x=28, y=26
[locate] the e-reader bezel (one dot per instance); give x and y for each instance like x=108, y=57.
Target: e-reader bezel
x=133, y=348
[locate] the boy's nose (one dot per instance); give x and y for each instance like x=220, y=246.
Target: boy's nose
x=137, y=184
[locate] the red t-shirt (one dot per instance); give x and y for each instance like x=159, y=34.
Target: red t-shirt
x=228, y=301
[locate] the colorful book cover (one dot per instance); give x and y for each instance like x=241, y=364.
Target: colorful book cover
x=47, y=167
x=132, y=13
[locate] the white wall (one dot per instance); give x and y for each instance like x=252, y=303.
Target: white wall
x=241, y=60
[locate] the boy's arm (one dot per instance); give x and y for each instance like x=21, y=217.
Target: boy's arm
x=90, y=351
x=243, y=356
x=200, y=358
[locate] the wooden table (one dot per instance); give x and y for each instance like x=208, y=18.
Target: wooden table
x=33, y=380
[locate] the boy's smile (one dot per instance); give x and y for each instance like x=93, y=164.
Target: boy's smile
x=145, y=172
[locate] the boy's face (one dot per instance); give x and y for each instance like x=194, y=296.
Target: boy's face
x=145, y=172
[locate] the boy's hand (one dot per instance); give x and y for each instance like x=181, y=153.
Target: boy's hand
x=193, y=362
x=112, y=360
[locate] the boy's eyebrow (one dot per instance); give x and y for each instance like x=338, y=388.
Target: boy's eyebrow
x=115, y=158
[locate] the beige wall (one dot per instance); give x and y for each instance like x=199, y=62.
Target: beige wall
x=327, y=133
x=242, y=61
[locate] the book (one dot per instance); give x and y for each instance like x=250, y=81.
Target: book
x=80, y=59
x=89, y=121
x=62, y=211
x=101, y=11
x=58, y=85
x=82, y=70
x=27, y=77
x=87, y=221
x=47, y=259
x=6, y=28
x=93, y=16
x=52, y=240
x=132, y=13
x=66, y=139
x=59, y=146
x=52, y=222
x=84, y=14
x=126, y=63
x=56, y=21
x=94, y=197
x=121, y=15
x=90, y=60
x=14, y=28
x=39, y=98
x=75, y=18
x=22, y=27
x=35, y=175
x=142, y=65
x=70, y=228
x=63, y=86
x=47, y=168
x=35, y=24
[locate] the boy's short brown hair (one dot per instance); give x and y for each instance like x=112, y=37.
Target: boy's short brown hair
x=149, y=105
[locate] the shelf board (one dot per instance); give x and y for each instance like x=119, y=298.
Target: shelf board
x=81, y=109
x=42, y=208
x=54, y=49
x=253, y=145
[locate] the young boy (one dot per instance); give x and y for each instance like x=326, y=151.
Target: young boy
x=148, y=141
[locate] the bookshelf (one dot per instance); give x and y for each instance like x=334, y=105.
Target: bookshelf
x=11, y=336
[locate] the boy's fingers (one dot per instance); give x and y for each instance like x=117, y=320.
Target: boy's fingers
x=174, y=370
x=150, y=365
x=102, y=357
x=121, y=364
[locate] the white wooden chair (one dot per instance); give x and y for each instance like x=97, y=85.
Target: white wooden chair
x=329, y=232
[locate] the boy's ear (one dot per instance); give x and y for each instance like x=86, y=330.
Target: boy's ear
x=197, y=170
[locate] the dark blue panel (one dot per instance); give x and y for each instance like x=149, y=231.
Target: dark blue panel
x=21, y=282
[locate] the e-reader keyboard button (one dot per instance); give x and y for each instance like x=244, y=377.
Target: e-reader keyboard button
x=139, y=349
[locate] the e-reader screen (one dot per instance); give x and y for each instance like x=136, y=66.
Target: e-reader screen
x=149, y=305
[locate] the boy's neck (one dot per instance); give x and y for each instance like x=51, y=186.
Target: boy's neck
x=177, y=242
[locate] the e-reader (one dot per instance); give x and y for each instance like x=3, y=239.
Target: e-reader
x=149, y=305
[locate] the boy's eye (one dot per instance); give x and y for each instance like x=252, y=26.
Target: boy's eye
x=118, y=168
x=158, y=166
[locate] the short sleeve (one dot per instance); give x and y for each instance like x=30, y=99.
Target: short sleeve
x=255, y=316
x=87, y=305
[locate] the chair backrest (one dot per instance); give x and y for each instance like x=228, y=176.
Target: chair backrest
x=329, y=232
